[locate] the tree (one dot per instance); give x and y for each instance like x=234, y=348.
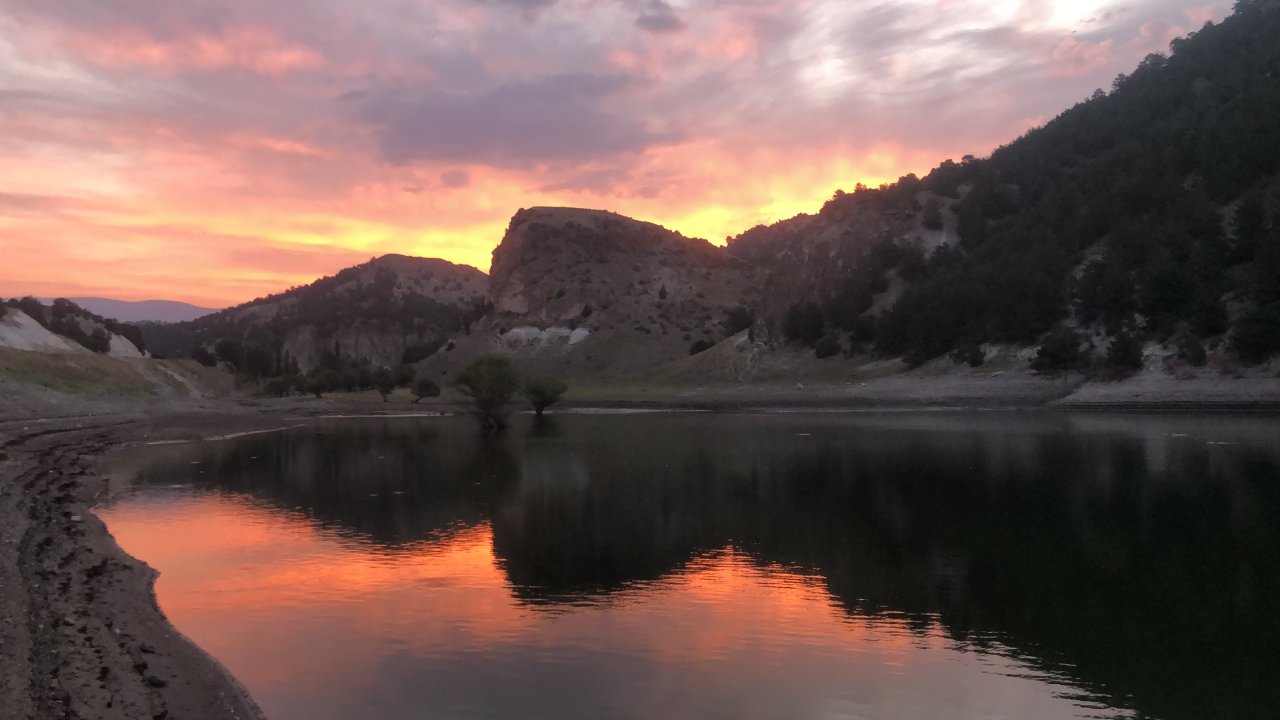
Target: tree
x=99, y=341
x=933, y=214
x=424, y=387
x=826, y=347
x=202, y=355
x=490, y=382
x=1125, y=351
x=277, y=387
x=385, y=381
x=1256, y=336
x=804, y=323
x=544, y=392
x=404, y=375
x=1059, y=352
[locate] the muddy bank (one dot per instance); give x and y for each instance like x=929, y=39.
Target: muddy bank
x=81, y=635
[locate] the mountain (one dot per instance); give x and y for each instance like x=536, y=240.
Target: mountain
x=384, y=312
x=1142, y=223
x=585, y=292
x=140, y=311
x=1144, y=214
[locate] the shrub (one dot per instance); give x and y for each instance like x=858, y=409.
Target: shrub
x=826, y=347
x=970, y=353
x=490, y=382
x=804, y=324
x=204, y=357
x=700, y=346
x=424, y=387
x=277, y=387
x=404, y=375
x=1059, y=352
x=1192, y=350
x=544, y=392
x=1125, y=351
x=1257, y=334
x=385, y=381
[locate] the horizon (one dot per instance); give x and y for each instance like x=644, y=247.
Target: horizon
x=212, y=153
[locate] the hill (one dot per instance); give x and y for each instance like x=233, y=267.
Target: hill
x=140, y=311
x=390, y=310
x=64, y=326
x=1146, y=213
x=586, y=292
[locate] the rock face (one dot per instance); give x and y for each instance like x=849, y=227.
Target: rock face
x=587, y=292
x=811, y=258
x=372, y=313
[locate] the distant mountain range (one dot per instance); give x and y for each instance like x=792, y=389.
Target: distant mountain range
x=166, y=311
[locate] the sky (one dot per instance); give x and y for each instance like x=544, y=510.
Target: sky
x=213, y=152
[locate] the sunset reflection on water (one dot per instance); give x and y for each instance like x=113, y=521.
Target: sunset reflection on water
x=550, y=578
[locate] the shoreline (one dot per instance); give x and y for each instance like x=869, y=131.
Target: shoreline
x=95, y=643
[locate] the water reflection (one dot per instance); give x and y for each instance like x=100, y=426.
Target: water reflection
x=923, y=565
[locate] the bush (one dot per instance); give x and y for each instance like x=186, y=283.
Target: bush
x=544, y=392
x=490, y=382
x=404, y=375
x=99, y=341
x=1125, y=351
x=277, y=387
x=1059, y=352
x=737, y=320
x=385, y=381
x=1257, y=334
x=933, y=214
x=969, y=353
x=826, y=347
x=204, y=357
x=700, y=346
x=424, y=387
x=1192, y=350
x=804, y=324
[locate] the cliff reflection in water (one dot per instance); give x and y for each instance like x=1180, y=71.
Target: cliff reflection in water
x=1138, y=560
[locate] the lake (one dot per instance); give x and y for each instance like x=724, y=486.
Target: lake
x=787, y=565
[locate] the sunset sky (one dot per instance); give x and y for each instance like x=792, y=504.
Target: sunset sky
x=214, y=151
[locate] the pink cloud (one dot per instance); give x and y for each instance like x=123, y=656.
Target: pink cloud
x=249, y=48
x=1201, y=15
x=1071, y=57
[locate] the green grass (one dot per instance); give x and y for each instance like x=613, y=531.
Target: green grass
x=74, y=373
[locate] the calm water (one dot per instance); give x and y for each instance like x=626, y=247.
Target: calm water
x=922, y=565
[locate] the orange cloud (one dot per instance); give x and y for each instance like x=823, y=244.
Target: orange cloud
x=251, y=48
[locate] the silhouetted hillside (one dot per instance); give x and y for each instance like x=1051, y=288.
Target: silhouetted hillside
x=1146, y=212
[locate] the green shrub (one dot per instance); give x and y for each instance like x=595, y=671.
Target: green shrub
x=700, y=346
x=490, y=382
x=424, y=387
x=1059, y=352
x=544, y=392
x=1125, y=351
x=385, y=381
x=1257, y=334
x=826, y=347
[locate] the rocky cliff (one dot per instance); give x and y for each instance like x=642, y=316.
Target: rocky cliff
x=587, y=292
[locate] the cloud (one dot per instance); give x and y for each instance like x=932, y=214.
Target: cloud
x=554, y=119
x=455, y=178
x=659, y=17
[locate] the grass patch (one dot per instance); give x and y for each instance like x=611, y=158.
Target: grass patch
x=74, y=373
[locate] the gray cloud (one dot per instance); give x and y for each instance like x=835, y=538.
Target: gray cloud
x=455, y=178
x=557, y=118
x=659, y=17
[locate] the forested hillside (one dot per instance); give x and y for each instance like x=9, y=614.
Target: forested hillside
x=386, y=312
x=1146, y=212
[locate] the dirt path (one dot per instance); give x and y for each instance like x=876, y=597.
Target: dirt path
x=81, y=635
